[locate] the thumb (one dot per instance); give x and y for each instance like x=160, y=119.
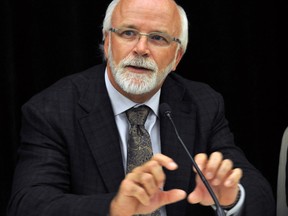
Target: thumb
x=195, y=196
x=172, y=196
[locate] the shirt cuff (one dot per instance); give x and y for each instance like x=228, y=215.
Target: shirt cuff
x=237, y=209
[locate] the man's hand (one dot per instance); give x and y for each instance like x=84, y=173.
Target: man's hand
x=140, y=192
x=220, y=175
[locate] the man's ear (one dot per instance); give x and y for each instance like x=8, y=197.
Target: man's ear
x=106, y=45
x=179, y=56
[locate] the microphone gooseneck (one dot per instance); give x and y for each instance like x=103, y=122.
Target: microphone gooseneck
x=165, y=110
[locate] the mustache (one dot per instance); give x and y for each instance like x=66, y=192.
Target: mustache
x=139, y=61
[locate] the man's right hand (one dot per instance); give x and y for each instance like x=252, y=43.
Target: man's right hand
x=140, y=192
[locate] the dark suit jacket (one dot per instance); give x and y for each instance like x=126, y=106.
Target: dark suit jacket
x=70, y=161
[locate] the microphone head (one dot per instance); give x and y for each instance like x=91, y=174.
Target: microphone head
x=165, y=109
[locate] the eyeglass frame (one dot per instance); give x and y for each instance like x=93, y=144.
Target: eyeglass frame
x=139, y=34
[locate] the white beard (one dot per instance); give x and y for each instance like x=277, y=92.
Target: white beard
x=134, y=83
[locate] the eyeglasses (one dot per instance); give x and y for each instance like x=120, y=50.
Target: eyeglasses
x=156, y=38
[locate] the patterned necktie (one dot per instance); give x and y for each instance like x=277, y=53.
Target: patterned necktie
x=139, y=143
x=139, y=149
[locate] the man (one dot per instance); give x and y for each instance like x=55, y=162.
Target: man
x=74, y=151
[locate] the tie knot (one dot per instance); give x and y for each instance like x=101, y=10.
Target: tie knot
x=138, y=116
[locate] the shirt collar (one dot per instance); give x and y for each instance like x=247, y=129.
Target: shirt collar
x=120, y=103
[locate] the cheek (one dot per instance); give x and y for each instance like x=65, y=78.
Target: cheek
x=164, y=60
x=119, y=52
x=117, y=55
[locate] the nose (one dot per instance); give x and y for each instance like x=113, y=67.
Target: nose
x=142, y=46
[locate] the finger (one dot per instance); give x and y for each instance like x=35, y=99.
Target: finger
x=165, y=161
x=128, y=188
x=234, y=178
x=213, y=164
x=154, y=169
x=144, y=180
x=201, y=160
x=223, y=172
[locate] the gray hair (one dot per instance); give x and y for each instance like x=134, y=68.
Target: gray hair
x=183, y=18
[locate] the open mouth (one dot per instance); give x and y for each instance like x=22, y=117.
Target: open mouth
x=138, y=69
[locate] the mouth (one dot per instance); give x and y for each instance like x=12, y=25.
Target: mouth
x=138, y=69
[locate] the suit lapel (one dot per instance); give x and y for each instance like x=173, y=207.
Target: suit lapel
x=101, y=132
x=184, y=118
x=172, y=147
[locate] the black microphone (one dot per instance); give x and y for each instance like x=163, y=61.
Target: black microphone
x=165, y=110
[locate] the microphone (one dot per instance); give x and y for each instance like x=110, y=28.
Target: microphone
x=165, y=110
